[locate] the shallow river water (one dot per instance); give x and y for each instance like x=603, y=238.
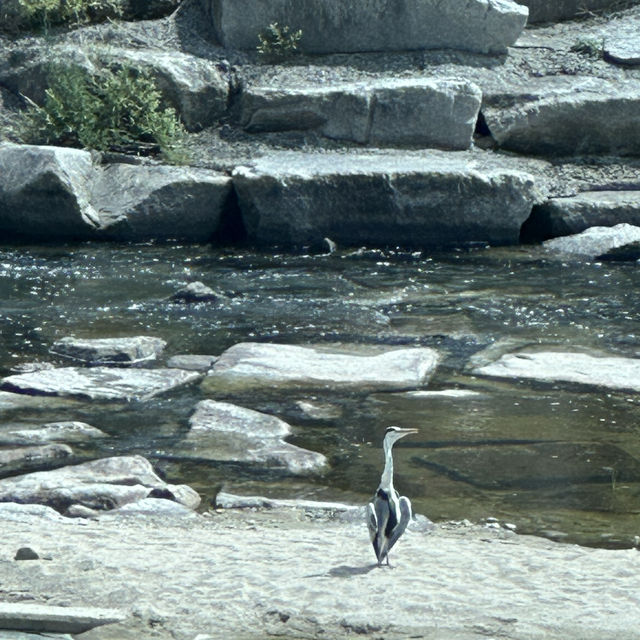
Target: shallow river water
x=460, y=303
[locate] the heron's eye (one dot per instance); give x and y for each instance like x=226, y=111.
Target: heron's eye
x=391, y=429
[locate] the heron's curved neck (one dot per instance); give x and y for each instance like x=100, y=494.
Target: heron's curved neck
x=386, y=482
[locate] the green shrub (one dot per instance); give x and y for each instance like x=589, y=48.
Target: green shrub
x=117, y=110
x=278, y=43
x=20, y=15
x=592, y=47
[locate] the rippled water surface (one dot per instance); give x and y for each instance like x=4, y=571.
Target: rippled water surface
x=459, y=303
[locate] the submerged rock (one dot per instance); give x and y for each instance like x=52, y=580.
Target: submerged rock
x=197, y=292
x=190, y=362
x=557, y=366
x=252, y=364
x=109, y=351
x=229, y=433
x=225, y=500
x=595, y=241
x=69, y=431
x=529, y=466
x=333, y=26
x=101, y=485
x=423, y=112
x=412, y=200
x=99, y=383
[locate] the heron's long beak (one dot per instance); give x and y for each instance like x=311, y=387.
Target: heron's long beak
x=401, y=433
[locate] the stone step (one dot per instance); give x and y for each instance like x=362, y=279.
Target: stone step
x=335, y=26
x=559, y=115
x=567, y=216
x=426, y=112
x=433, y=199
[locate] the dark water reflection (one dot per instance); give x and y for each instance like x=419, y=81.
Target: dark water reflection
x=459, y=303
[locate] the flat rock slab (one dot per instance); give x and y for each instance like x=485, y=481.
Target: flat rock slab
x=99, y=383
x=419, y=112
x=99, y=485
x=594, y=241
x=47, y=619
x=426, y=200
x=66, y=431
x=560, y=115
x=557, y=366
x=109, y=351
x=226, y=432
x=25, y=459
x=567, y=216
x=250, y=364
x=333, y=26
x=530, y=466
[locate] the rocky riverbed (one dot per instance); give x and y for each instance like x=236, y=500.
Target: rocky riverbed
x=310, y=573
x=525, y=392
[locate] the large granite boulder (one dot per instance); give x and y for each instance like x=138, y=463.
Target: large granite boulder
x=566, y=115
x=574, y=368
x=250, y=364
x=226, y=432
x=99, y=383
x=334, y=26
x=56, y=194
x=594, y=241
x=137, y=203
x=427, y=200
x=571, y=215
x=101, y=485
x=109, y=351
x=44, y=193
x=535, y=465
x=423, y=112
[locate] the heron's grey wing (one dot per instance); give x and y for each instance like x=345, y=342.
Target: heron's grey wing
x=405, y=517
x=383, y=514
x=372, y=521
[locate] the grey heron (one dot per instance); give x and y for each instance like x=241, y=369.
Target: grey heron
x=389, y=513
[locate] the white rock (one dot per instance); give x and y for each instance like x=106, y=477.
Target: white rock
x=277, y=365
x=558, y=366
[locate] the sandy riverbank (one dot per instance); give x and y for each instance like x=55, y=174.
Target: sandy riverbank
x=253, y=574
